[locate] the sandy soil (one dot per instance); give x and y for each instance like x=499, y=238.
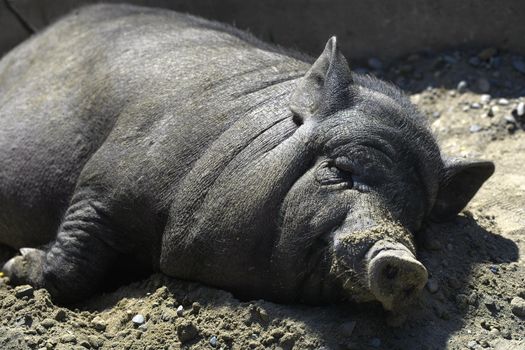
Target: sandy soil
x=474, y=299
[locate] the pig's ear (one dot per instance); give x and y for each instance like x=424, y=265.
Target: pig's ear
x=325, y=85
x=461, y=180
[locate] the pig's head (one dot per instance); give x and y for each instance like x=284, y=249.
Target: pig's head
x=376, y=176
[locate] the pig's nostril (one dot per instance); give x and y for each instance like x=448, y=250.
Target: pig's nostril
x=390, y=272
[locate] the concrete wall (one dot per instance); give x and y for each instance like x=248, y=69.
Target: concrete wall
x=381, y=28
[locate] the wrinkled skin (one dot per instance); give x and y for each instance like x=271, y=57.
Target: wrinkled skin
x=142, y=137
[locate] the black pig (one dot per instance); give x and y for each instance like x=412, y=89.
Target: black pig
x=137, y=135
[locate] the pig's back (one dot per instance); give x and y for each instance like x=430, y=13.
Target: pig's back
x=119, y=72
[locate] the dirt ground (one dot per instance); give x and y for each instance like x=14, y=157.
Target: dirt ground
x=475, y=297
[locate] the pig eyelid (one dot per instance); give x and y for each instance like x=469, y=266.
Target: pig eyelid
x=329, y=175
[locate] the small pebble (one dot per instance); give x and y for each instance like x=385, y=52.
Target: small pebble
x=483, y=85
x=195, y=307
x=494, y=332
x=24, y=291
x=472, y=344
x=432, y=244
x=60, y=315
x=487, y=53
x=462, y=86
x=432, y=285
x=450, y=59
x=48, y=323
x=213, y=341
x=375, y=63
x=517, y=305
x=347, y=328
x=519, y=64
x=475, y=128
x=475, y=105
x=509, y=119
x=68, y=338
x=375, y=342
x=436, y=114
x=485, y=99
x=186, y=331
x=503, y=102
x=99, y=324
x=180, y=310
x=138, y=319
x=520, y=109
x=474, y=61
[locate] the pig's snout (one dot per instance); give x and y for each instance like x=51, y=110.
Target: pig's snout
x=395, y=277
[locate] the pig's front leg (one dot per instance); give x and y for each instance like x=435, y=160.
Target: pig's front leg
x=75, y=264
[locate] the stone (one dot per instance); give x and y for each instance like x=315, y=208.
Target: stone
x=138, y=319
x=517, y=305
x=180, y=311
x=432, y=285
x=488, y=53
x=375, y=342
x=95, y=341
x=213, y=341
x=99, y=324
x=475, y=128
x=503, y=102
x=520, y=109
x=375, y=63
x=186, y=331
x=483, y=85
x=24, y=291
x=47, y=323
x=519, y=64
x=195, y=308
x=347, y=328
x=474, y=61
x=60, y=315
x=68, y=338
x=462, y=86
x=485, y=99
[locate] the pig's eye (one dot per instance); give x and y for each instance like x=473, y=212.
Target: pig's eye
x=328, y=174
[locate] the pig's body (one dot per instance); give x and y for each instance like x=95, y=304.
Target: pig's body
x=143, y=134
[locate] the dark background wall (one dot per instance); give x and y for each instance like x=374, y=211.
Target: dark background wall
x=381, y=28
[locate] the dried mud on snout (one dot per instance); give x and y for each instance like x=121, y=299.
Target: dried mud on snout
x=474, y=298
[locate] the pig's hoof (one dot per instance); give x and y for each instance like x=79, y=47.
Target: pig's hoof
x=25, y=268
x=396, y=278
